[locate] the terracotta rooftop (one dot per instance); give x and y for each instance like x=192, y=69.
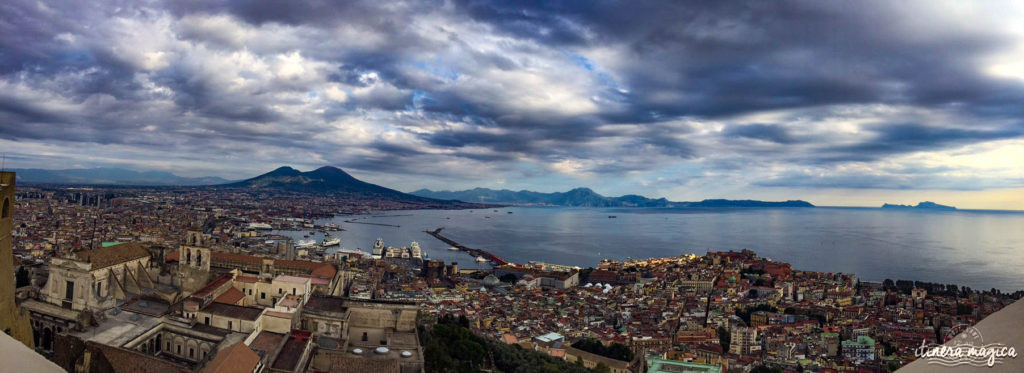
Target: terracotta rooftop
x=267, y=342
x=112, y=255
x=322, y=270
x=231, y=296
x=211, y=287
x=235, y=359
x=223, y=256
x=122, y=360
x=247, y=279
x=233, y=311
x=291, y=353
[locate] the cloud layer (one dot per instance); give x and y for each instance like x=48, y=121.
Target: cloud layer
x=627, y=96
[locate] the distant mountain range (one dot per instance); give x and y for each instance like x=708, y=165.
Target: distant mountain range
x=922, y=205
x=110, y=176
x=585, y=197
x=327, y=180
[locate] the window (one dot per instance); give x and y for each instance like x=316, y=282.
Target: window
x=191, y=353
x=293, y=291
x=6, y=209
x=229, y=326
x=207, y=321
x=179, y=349
x=263, y=295
x=280, y=291
x=69, y=290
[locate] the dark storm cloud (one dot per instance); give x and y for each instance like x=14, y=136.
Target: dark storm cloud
x=892, y=139
x=724, y=58
x=910, y=137
x=416, y=86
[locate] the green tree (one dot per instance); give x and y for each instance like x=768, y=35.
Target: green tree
x=602, y=368
x=724, y=338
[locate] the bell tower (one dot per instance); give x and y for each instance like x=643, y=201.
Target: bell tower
x=12, y=320
x=194, y=261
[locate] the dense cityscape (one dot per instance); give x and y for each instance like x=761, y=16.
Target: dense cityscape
x=307, y=186
x=184, y=279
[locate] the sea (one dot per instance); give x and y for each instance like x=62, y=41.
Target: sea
x=982, y=249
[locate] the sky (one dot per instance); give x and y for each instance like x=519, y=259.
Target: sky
x=833, y=102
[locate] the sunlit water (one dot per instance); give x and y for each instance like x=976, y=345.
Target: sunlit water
x=980, y=249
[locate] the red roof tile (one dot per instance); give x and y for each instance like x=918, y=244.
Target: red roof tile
x=231, y=296
x=237, y=358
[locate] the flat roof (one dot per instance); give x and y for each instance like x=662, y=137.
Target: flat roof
x=550, y=337
x=292, y=279
x=656, y=364
x=119, y=329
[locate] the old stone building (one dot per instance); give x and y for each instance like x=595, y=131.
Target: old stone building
x=13, y=320
x=352, y=332
x=83, y=286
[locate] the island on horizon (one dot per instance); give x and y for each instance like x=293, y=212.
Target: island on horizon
x=926, y=205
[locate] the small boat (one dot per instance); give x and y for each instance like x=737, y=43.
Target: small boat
x=453, y=248
x=480, y=259
x=331, y=242
x=510, y=212
x=612, y=216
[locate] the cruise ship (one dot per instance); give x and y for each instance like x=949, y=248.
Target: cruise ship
x=331, y=242
x=305, y=243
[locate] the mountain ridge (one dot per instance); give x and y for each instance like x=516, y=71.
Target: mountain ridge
x=586, y=197
x=110, y=176
x=325, y=180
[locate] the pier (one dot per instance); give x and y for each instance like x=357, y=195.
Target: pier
x=494, y=259
x=353, y=221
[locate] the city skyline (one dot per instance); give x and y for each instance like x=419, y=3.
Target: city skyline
x=836, y=104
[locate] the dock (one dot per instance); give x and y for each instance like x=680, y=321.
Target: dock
x=494, y=259
x=353, y=221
